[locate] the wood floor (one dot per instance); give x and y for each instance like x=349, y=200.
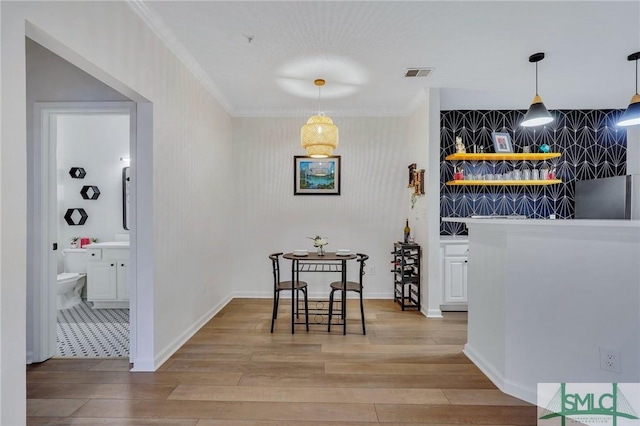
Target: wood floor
x=407, y=370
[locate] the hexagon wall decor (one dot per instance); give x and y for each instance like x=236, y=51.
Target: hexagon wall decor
x=75, y=217
x=90, y=192
x=77, y=173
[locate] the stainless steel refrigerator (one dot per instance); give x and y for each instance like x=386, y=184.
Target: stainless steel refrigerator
x=615, y=197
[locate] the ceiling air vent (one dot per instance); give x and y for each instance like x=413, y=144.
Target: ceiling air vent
x=418, y=72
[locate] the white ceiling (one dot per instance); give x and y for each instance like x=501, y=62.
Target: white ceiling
x=260, y=58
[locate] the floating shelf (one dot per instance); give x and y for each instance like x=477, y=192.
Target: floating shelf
x=503, y=182
x=503, y=156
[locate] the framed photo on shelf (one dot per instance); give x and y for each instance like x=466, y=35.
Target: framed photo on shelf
x=316, y=176
x=502, y=142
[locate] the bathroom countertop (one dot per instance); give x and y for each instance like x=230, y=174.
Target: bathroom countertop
x=109, y=244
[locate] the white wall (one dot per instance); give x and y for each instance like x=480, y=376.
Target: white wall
x=191, y=187
x=424, y=139
x=368, y=216
x=96, y=143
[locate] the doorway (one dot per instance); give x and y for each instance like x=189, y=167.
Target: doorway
x=63, y=202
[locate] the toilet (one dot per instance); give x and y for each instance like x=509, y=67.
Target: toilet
x=72, y=280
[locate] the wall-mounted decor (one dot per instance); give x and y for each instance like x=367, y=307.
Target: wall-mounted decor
x=75, y=217
x=501, y=142
x=77, y=173
x=316, y=176
x=90, y=192
x=416, y=179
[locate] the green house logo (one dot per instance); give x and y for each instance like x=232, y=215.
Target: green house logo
x=589, y=404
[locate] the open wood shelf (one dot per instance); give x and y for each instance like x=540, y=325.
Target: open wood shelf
x=502, y=182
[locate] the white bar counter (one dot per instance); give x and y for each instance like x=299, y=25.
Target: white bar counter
x=546, y=295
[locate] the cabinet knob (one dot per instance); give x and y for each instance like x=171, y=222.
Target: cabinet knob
x=93, y=254
x=113, y=264
x=122, y=264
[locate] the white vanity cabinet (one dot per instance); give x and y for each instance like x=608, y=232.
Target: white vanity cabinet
x=454, y=254
x=107, y=269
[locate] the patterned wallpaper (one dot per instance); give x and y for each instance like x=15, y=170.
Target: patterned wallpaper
x=591, y=144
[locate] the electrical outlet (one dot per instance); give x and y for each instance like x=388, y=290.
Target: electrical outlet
x=372, y=270
x=609, y=360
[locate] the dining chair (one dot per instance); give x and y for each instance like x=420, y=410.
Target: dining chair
x=356, y=286
x=278, y=286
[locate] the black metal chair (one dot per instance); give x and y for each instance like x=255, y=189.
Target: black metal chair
x=356, y=286
x=278, y=286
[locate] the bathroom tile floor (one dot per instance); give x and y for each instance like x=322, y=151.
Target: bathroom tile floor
x=86, y=332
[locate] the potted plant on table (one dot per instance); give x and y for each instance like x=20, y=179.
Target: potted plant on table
x=74, y=242
x=319, y=243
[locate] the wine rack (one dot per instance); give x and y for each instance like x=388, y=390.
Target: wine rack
x=406, y=274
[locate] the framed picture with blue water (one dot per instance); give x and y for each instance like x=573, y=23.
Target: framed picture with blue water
x=316, y=176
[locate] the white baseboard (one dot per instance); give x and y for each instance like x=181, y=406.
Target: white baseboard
x=517, y=390
x=312, y=295
x=164, y=355
x=143, y=365
x=433, y=313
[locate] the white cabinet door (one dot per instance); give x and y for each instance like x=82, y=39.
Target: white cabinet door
x=101, y=280
x=455, y=279
x=123, y=285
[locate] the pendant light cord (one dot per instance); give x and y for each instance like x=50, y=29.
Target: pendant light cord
x=536, y=78
x=320, y=89
x=636, y=76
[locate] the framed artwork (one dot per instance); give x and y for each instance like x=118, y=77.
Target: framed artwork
x=502, y=142
x=316, y=176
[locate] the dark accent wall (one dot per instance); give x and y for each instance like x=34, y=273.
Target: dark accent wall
x=591, y=143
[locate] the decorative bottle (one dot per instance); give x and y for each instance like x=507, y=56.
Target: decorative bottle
x=407, y=231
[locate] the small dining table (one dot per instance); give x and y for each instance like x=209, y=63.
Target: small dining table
x=313, y=262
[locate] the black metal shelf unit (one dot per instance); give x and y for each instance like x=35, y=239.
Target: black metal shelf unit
x=406, y=274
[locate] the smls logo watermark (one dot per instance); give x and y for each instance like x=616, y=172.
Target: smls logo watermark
x=616, y=404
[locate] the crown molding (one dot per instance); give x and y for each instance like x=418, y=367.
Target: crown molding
x=158, y=26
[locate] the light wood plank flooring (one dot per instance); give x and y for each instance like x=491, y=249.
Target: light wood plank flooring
x=407, y=370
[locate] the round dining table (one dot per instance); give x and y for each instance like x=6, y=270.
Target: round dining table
x=313, y=262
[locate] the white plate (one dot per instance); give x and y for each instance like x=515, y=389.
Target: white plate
x=301, y=254
x=343, y=253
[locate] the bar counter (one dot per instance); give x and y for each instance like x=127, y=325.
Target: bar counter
x=545, y=296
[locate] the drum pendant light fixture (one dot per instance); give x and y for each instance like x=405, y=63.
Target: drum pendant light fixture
x=631, y=116
x=537, y=114
x=319, y=136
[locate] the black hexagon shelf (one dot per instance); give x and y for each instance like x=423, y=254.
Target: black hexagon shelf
x=90, y=192
x=72, y=219
x=77, y=173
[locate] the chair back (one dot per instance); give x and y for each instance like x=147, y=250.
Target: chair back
x=275, y=263
x=362, y=258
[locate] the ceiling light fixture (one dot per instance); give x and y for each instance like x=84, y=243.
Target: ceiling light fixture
x=319, y=136
x=537, y=114
x=631, y=116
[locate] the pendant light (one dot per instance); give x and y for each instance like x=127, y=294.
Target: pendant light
x=319, y=136
x=631, y=116
x=537, y=114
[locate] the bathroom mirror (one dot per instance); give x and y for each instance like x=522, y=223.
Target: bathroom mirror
x=126, y=180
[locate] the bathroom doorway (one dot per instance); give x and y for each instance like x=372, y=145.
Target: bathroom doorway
x=84, y=148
